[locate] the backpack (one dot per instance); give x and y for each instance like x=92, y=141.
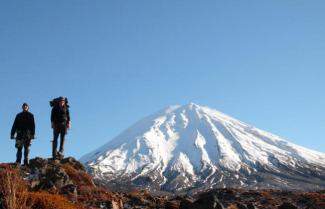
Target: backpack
x=55, y=102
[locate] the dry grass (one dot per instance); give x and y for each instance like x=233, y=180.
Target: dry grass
x=89, y=194
x=13, y=191
x=44, y=200
x=78, y=177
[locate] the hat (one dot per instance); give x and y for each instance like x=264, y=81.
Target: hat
x=62, y=98
x=25, y=104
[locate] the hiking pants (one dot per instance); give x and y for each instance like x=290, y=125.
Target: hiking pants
x=22, y=142
x=59, y=129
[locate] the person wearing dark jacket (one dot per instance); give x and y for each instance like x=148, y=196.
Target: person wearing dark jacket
x=24, y=128
x=60, y=122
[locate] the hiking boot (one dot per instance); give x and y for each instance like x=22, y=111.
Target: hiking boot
x=26, y=163
x=60, y=155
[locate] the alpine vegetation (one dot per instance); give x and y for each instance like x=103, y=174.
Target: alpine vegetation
x=192, y=148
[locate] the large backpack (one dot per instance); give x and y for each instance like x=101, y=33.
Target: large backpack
x=55, y=102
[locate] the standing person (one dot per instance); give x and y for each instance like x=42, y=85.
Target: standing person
x=24, y=128
x=60, y=122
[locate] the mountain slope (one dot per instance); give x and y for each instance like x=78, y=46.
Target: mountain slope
x=189, y=148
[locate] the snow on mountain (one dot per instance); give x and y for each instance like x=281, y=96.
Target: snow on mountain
x=190, y=147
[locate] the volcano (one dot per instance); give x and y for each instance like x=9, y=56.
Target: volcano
x=193, y=148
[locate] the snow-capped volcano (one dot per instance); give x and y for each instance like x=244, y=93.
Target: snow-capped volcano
x=190, y=148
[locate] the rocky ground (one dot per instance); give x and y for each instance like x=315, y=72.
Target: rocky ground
x=46, y=184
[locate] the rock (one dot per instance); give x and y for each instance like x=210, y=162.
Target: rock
x=209, y=201
x=37, y=163
x=226, y=195
x=206, y=201
x=287, y=205
x=138, y=201
x=185, y=204
x=116, y=205
x=171, y=205
x=57, y=176
x=250, y=206
x=50, y=176
x=241, y=206
x=110, y=205
x=71, y=191
x=127, y=206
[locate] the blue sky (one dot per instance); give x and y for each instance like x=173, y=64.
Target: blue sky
x=261, y=62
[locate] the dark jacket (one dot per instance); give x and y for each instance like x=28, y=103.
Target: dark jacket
x=24, y=121
x=60, y=115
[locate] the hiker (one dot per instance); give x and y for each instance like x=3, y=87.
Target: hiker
x=24, y=128
x=60, y=122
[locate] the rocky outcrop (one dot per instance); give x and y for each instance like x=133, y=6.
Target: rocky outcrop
x=68, y=179
x=49, y=176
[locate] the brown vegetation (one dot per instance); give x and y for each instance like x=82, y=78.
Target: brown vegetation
x=45, y=200
x=13, y=191
x=79, y=177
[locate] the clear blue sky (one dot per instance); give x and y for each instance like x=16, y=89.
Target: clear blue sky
x=262, y=62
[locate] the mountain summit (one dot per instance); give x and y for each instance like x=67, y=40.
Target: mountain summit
x=193, y=148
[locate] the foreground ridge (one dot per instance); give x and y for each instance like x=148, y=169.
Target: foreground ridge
x=65, y=185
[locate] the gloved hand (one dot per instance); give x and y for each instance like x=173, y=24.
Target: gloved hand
x=32, y=137
x=69, y=125
x=12, y=137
